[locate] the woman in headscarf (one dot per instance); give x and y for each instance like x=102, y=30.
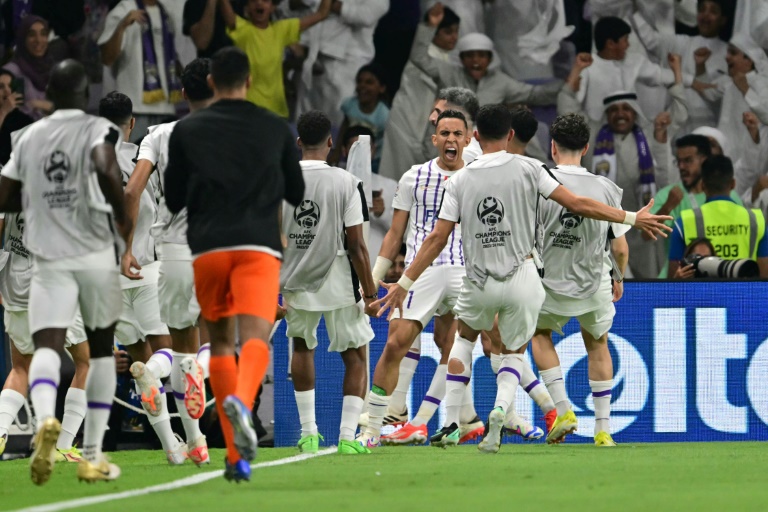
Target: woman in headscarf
x=32, y=63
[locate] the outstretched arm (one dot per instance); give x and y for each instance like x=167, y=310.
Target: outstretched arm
x=391, y=244
x=620, y=251
x=316, y=17
x=651, y=224
x=430, y=249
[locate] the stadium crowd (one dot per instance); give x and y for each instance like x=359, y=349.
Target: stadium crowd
x=667, y=90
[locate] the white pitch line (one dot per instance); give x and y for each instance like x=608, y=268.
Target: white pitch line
x=176, y=484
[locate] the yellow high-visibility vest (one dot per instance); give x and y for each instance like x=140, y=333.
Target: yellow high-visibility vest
x=733, y=230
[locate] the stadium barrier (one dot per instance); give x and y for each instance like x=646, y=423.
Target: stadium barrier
x=690, y=364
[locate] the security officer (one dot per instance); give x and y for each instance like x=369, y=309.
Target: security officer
x=735, y=232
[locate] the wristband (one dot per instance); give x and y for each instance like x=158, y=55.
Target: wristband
x=380, y=269
x=405, y=283
x=630, y=218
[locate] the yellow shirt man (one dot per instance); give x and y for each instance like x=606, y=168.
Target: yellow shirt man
x=264, y=48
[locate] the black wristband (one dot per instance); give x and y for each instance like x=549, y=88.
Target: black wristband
x=370, y=296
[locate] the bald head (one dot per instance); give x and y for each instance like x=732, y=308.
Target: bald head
x=68, y=85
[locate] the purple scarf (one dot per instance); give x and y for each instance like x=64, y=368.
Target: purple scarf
x=604, y=161
x=153, y=89
x=35, y=69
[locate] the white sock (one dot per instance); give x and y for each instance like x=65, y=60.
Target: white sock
x=495, y=363
x=377, y=408
x=601, y=396
x=407, y=369
x=161, y=424
x=11, y=403
x=100, y=388
x=191, y=427
x=507, y=379
x=160, y=363
x=351, y=408
x=432, y=399
x=456, y=384
x=305, y=401
x=535, y=390
x=468, y=412
x=44, y=383
x=204, y=359
x=553, y=379
x=75, y=406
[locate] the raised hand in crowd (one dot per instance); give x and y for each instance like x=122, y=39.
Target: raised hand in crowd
x=752, y=123
x=700, y=57
x=581, y=62
x=435, y=15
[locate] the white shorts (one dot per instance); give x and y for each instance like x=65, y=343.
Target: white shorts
x=176, y=292
x=435, y=291
x=141, y=315
x=517, y=300
x=596, y=322
x=17, y=327
x=58, y=286
x=347, y=327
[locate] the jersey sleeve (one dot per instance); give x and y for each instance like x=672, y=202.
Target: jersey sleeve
x=149, y=149
x=289, y=30
x=353, y=211
x=104, y=132
x=546, y=182
x=10, y=170
x=403, y=199
x=241, y=32
x=449, y=204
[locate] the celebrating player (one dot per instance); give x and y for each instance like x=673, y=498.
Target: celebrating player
x=70, y=208
x=179, y=309
x=325, y=238
x=495, y=197
x=416, y=204
x=578, y=280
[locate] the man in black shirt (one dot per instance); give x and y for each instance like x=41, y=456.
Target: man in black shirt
x=231, y=165
x=204, y=23
x=11, y=118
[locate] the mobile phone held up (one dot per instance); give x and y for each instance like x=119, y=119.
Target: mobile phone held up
x=17, y=86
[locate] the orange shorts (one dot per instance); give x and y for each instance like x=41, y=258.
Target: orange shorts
x=240, y=282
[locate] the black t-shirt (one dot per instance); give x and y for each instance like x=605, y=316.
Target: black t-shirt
x=193, y=12
x=15, y=120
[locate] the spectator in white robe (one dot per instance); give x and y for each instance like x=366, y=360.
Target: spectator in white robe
x=744, y=89
x=526, y=52
x=412, y=104
x=479, y=71
x=614, y=69
x=620, y=150
x=757, y=195
x=337, y=48
x=710, y=19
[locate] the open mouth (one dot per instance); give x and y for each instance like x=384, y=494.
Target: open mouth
x=451, y=153
x=260, y=11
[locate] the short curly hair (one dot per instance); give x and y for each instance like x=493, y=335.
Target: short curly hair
x=570, y=132
x=194, y=79
x=314, y=128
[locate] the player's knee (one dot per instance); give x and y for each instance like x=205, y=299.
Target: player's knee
x=456, y=366
x=300, y=345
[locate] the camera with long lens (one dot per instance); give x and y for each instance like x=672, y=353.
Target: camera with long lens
x=714, y=267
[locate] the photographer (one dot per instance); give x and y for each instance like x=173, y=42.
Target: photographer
x=736, y=233
x=699, y=248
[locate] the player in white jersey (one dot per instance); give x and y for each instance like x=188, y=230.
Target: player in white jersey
x=577, y=279
x=325, y=263
x=140, y=329
x=66, y=170
x=495, y=198
x=179, y=309
x=15, y=278
x=416, y=203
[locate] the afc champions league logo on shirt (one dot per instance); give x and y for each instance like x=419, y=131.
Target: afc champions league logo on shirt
x=20, y=224
x=490, y=211
x=57, y=167
x=570, y=220
x=307, y=214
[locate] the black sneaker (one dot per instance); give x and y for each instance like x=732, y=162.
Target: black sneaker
x=446, y=436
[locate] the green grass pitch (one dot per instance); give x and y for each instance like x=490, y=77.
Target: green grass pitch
x=639, y=477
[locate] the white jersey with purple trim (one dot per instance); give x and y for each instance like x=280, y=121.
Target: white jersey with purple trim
x=16, y=273
x=420, y=192
x=169, y=228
